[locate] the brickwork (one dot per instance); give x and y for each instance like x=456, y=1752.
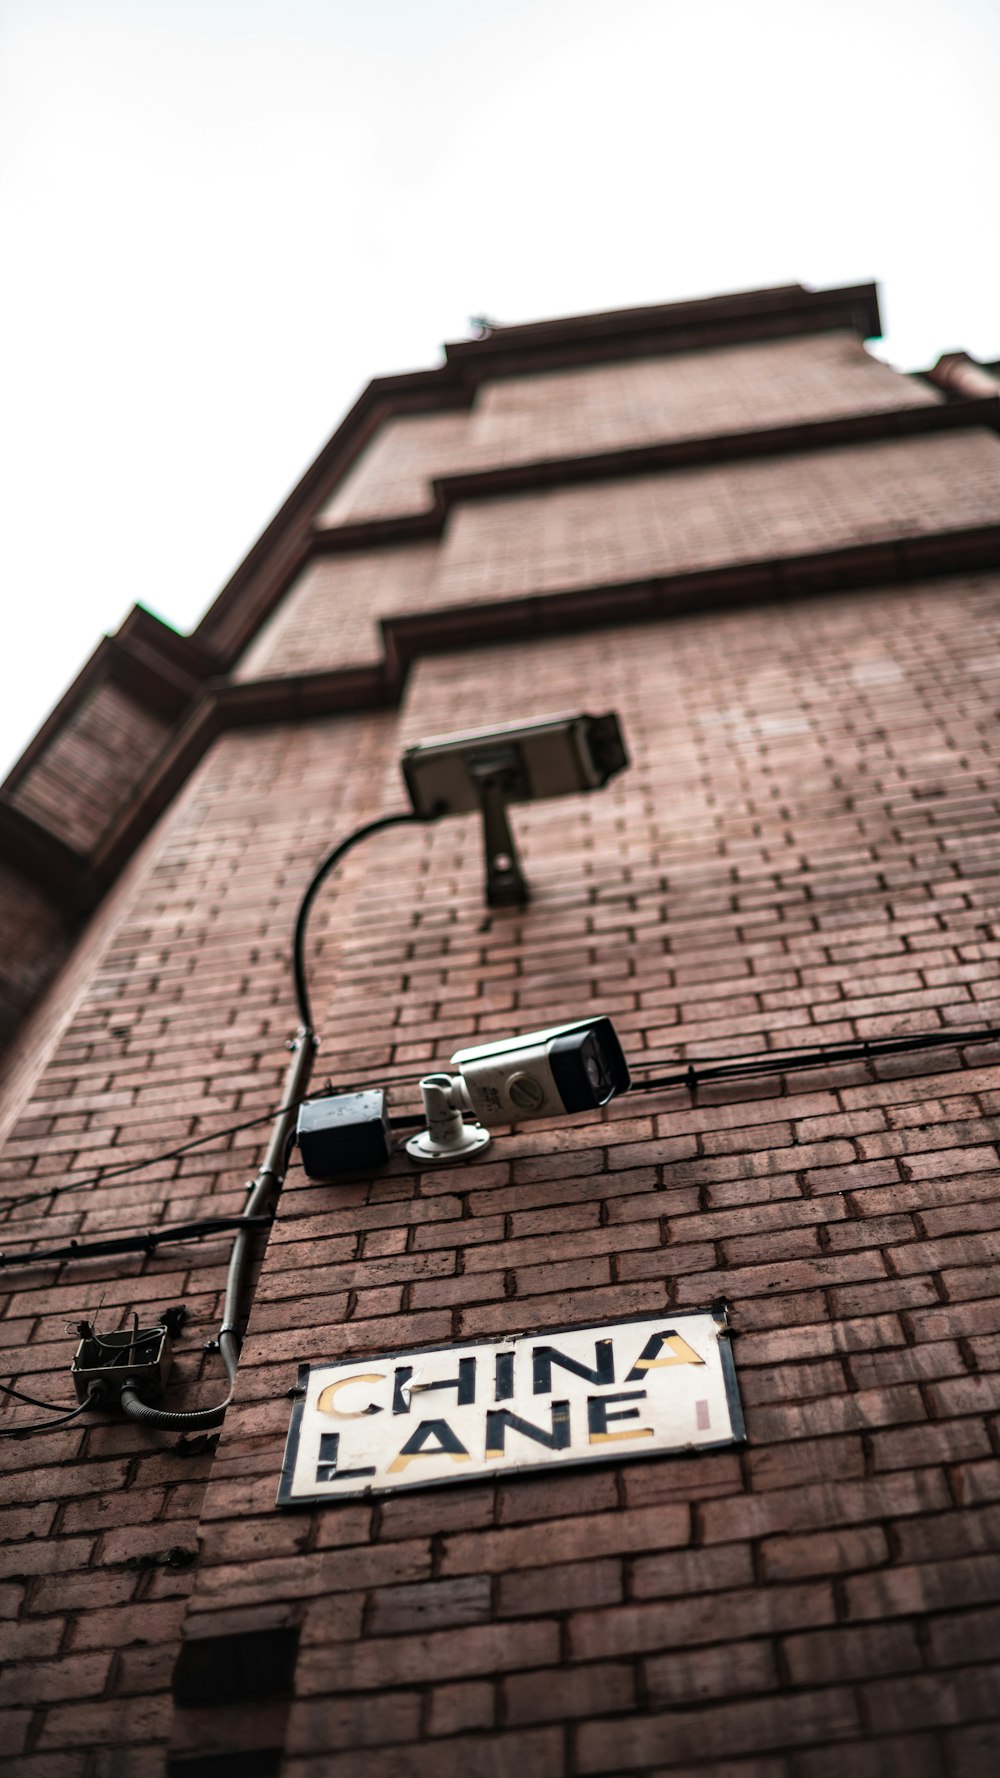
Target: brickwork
x=688, y=395
x=610, y=407
x=393, y=474
x=36, y=935
x=179, y=1033
x=81, y=779
x=329, y=616
x=626, y=530
x=698, y=518
x=803, y=851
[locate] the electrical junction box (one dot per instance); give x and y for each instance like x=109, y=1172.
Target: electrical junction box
x=106, y=1362
x=345, y=1133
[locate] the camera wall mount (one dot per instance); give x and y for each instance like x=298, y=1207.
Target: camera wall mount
x=447, y=1137
x=488, y=769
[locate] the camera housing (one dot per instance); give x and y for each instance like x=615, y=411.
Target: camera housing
x=552, y=757
x=565, y=1068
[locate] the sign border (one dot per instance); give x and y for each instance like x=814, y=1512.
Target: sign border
x=739, y=1436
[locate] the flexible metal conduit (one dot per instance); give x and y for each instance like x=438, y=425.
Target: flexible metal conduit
x=271, y=1173
x=263, y=1196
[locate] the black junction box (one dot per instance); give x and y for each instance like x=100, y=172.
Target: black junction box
x=346, y=1133
x=106, y=1362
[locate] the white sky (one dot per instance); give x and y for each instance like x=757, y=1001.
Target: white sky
x=221, y=217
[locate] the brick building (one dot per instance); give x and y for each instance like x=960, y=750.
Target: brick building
x=779, y=561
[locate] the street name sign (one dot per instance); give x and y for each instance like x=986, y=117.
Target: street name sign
x=623, y=1389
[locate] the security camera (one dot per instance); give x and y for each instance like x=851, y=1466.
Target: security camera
x=487, y=769
x=566, y=1068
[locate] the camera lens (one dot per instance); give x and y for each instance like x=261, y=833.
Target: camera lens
x=587, y=1065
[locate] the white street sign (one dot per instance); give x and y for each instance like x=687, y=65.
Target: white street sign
x=633, y=1388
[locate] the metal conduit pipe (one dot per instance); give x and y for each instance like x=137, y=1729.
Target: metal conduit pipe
x=960, y=375
x=271, y=1173
x=263, y=1196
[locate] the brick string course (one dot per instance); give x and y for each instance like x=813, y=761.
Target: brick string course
x=606, y=407
x=629, y=530
x=803, y=851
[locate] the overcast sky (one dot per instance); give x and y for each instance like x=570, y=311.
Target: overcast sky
x=221, y=217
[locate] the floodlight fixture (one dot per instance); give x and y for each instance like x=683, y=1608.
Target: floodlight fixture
x=487, y=769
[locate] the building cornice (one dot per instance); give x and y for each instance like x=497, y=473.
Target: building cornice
x=655, y=456
x=739, y=318
x=74, y=881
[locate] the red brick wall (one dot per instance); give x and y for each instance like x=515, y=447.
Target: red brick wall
x=700, y=518
x=629, y=529
x=36, y=937
x=179, y=1032
x=81, y=780
x=329, y=617
x=687, y=395
x=803, y=851
x=612, y=406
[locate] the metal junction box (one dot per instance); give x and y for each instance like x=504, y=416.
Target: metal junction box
x=141, y=1356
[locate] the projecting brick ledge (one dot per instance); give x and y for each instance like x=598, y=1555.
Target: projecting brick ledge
x=76, y=880
x=682, y=453
x=511, y=351
x=405, y=638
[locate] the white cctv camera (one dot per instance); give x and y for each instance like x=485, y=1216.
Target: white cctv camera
x=566, y=1068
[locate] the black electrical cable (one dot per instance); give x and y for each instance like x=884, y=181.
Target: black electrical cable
x=271, y=1174
x=174, y=1154
x=260, y=1205
x=693, y=1073
x=328, y=864
x=270, y=1177
x=145, y=1242
x=32, y=1400
x=42, y=1425
x=689, y=1074
x=313, y=888
x=154, y=1160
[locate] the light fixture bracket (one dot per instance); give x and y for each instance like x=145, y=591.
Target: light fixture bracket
x=499, y=777
x=519, y=762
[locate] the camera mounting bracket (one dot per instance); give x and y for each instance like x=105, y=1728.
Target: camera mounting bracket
x=499, y=777
x=447, y=1137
